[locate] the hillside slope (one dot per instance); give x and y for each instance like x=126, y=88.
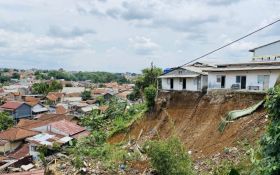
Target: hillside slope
x=195, y=117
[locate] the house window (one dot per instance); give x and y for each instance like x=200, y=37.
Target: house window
x=168, y=81
x=260, y=79
x=194, y=81
x=180, y=72
x=238, y=79
x=219, y=77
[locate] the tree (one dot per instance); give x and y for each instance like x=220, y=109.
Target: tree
x=150, y=95
x=270, y=142
x=6, y=121
x=169, y=157
x=45, y=88
x=149, y=77
x=16, y=76
x=86, y=95
x=40, y=88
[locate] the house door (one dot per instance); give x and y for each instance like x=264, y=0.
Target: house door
x=243, y=82
x=198, y=83
x=223, y=81
x=184, y=83
x=266, y=82
x=171, y=83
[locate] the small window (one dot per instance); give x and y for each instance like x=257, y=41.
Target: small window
x=194, y=81
x=260, y=79
x=238, y=79
x=219, y=77
x=180, y=72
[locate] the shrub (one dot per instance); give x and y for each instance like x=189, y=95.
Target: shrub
x=86, y=95
x=6, y=121
x=150, y=95
x=169, y=157
x=270, y=142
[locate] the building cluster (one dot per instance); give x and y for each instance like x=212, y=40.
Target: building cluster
x=260, y=74
x=49, y=120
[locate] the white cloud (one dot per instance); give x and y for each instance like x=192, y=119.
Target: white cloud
x=143, y=45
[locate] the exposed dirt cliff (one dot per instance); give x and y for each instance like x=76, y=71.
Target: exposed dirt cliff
x=194, y=117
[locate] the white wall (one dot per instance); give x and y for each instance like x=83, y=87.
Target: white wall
x=251, y=78
x=191, y=83
x=272, y=49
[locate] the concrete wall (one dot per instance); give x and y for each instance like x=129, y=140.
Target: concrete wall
x=272, y=49
x=191, y=83
x=10, y=146
x=251, y=78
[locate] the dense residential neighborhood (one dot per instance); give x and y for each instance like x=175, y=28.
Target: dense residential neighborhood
x=48, y=119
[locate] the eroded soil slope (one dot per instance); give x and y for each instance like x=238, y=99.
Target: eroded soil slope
x=195, y=117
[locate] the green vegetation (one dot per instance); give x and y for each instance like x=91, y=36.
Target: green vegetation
x=150, y=95
x=45, y=88
x=148, y=78
x=270, y=143
x=169, y=157
x=117, y=118
x=94, y=77
x=86, y=95
x=6, y=121
x=16, y=76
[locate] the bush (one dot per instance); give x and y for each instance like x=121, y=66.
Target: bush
x=150, y=95
x=6, y=121
x=270, y=142
x=86, y=95
x=169, y=157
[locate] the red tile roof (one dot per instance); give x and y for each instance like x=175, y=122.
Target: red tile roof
x=51, y=97
x=23, y=151
x=60, y=109
x=11, y=105
x=14, y=134
x=45, y=119
x=67, y=127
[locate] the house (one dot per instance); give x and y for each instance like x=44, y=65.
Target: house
x=17, y=109
x=267, y=52
x=258, y=75
x=123, y=95
x=59, y=132
x=13, y=138
x=73, y=91
x=45, y=139
x=37, y=107
x=189, y=77
x=88, y=109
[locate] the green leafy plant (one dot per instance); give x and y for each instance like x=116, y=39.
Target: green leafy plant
x=150, y=95
x=270, y=142
x=169, y=157
x=6, y=121
x=86, y=95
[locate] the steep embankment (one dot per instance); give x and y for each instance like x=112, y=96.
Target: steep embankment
x=195, y=117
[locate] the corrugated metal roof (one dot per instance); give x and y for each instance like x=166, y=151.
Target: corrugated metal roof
x=223, y=69
x=179, y=76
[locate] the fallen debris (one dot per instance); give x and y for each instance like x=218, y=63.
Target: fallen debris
x=236, y=114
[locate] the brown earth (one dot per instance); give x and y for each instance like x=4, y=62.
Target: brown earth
x=195, y=117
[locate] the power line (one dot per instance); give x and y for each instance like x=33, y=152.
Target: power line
x=208, y=53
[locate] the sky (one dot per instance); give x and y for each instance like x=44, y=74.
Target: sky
x=127, y=35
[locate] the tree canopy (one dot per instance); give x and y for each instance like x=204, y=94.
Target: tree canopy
x=6, y=121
